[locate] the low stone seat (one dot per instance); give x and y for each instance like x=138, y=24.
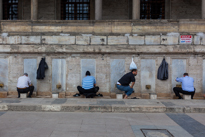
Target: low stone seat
x=23, y=95
x=152, y=95
x=119, y=96
x=54, y=95
x=187, y=97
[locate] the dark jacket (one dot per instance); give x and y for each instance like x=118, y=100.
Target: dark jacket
x=163, y=71
x=41, y=69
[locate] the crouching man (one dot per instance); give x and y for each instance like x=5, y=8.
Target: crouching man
x=124, y=83
x=24, y=85
x=88, y=86
x=187, y=86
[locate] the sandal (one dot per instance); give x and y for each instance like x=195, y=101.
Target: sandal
x=100, y=95
x=134, y=98
x=76, y=95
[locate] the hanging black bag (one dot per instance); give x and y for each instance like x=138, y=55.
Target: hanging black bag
x=163, y=71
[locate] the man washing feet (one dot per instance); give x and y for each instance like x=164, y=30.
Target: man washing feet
x=187, y=86
x=88, y=86
x=123, y=83
x=24, y=85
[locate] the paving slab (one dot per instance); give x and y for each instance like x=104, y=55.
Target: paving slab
x=198, y=117
x=192, y=126
x=52, y=124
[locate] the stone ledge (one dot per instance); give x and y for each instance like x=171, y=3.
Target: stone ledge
x=100, y=108
x=114, y=106
x=129, y=39
x=97, y=49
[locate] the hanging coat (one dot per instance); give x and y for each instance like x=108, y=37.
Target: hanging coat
x=41, y=69
x=163, y=71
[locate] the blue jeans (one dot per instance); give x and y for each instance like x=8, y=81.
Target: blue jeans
x=127, y=89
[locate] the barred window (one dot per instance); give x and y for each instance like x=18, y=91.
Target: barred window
x=152, y=9
x=75, y=9
x=10, y=9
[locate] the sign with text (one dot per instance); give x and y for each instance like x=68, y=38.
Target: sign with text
x=186, y=39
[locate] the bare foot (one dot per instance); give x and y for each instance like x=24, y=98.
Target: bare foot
x=126, y=97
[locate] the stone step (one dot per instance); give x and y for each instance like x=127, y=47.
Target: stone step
x=104, y=97
x=74, y=97
x=164, y=98
x=103, y=105
x=12, y=96
x=96, y=97
x=199, y=98
x=43, y=96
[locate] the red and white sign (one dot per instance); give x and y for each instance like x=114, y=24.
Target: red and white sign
x=186, y=39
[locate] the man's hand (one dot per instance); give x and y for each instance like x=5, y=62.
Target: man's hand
x=133, y=83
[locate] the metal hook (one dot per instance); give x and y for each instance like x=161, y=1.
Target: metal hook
x=44, y=56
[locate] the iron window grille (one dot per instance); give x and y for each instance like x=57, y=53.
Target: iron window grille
x=10, y=9
x=75, y=9
x=152, y=9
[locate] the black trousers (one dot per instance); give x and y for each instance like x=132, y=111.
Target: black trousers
x=179, y=90
x=26, y=90
x=92, y=90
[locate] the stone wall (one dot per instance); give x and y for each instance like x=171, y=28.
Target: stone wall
x=186, y=9
x=26, y=9
x=46, y=9
x=105, y=72
x=116, y=9
x=112, y=9
x=107, y=53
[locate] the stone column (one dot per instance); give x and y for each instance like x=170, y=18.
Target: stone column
x=167, y=9
x=1, y=10
x=34, y=9
x=203, y=9
x=135, y=9
x=98, y=9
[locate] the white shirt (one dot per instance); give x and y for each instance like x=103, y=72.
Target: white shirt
x=23, y=82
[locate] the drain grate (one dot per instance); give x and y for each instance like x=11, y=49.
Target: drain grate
x=156, y=133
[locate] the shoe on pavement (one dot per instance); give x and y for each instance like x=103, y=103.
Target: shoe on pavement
x=76, y=95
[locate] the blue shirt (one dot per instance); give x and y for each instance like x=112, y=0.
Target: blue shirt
x=187, y=83
x=88, y=82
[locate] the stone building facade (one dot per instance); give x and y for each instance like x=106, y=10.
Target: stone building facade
x=105, y=43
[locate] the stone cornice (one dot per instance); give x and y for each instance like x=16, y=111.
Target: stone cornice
x=104, y=26
x=99, y=49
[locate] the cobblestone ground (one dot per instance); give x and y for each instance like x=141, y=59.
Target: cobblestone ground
x=61, y=124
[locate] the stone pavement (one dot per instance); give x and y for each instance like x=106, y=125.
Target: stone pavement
x=74, y=124
x=102, y=105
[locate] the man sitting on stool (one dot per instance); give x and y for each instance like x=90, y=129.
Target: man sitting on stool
x=187, y=86
x=88, y=85
x=24, y=85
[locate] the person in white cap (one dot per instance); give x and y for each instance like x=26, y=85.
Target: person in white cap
x=24, y=85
